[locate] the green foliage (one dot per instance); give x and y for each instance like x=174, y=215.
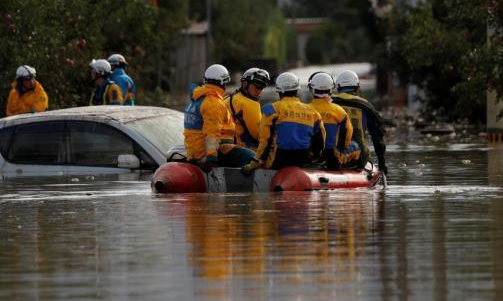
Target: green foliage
x=59, y=38
x=348, y=36
x=243, y=30
x=276, y=38
x=332, y=43
x=442, y=47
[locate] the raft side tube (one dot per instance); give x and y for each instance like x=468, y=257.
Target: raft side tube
x=298, y=179
x=178, y=177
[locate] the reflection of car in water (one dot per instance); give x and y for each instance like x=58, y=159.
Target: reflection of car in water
x=88, y=140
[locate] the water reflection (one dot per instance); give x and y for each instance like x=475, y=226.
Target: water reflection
x=283, y=244
x=436, y=233
x=495, y=164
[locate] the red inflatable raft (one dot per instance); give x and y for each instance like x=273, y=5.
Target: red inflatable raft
x=179, y=177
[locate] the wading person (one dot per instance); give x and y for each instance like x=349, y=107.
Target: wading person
x=106, y=92
x=121, y=79
x=27, y=94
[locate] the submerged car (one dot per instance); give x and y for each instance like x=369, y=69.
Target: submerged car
x=88, y=140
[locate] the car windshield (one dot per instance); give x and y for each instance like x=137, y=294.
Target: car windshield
x=162, y=131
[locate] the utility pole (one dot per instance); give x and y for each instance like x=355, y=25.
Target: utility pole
x=208, y=32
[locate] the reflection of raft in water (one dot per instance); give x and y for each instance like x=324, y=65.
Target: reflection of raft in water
x=180, y=177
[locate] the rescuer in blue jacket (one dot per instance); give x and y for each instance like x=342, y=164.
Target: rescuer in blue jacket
x=121, y=79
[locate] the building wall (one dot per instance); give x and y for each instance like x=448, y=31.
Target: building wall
x=190, y=62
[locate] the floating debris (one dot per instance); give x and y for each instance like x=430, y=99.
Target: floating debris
x=438, y=129
x=418, y=173
x=466, y=161
x=74, y=180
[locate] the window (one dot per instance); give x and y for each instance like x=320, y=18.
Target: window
x=94, y=144
x=163, y=132
x=38, y=143
x=5, y=136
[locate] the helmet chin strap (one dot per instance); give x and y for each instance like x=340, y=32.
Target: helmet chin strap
x=325, y=95
x=245, y=92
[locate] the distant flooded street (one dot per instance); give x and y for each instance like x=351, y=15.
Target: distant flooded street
x=436, y=233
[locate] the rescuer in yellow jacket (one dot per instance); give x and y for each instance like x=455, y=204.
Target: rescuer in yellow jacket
x=209, y=129
x=337, y=124
x=364, y=117
x=291, y=132
x=27, y=94
x=244, y=106
x=106, y=92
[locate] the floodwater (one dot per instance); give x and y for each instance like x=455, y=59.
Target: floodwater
x=435, y=233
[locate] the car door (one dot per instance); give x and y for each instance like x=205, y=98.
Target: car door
x=94, y=148
x=34, y=149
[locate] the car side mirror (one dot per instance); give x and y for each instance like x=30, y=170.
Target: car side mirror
x=128, y=161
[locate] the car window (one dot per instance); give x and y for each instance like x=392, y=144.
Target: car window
x=95, y=144
x=5, y=136
x=38, y=143
x=163, y=132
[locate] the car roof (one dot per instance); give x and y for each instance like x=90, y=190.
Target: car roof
x=121, y=114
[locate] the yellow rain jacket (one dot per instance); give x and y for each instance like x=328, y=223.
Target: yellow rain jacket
x=287, y=124
x=107, y=94
x=35, y=100
x=207, y=123
x=246, y=115
x=336, y=121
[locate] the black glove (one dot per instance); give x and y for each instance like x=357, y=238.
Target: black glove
x=248, y=169
x=209, y=163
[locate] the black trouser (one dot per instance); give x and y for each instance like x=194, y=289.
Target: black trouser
x=334, y=164
x=285, y=158
x=331, y=159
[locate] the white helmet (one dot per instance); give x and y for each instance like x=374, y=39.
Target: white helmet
x=217, y=74
x=117, y=60
x=258, y=77
x=25, y=71
x=321, y=83
x=102, y=67
x=287, y=81
x=347, y=78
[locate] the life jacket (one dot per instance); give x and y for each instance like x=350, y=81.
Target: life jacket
x=207, y=122
x=106, y=94
x=246, y=115
x=289, y=125
x=127, y=86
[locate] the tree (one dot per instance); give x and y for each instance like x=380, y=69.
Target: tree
x=59, y=38
x=243, y=30
x=349, y=35
x=436, y=45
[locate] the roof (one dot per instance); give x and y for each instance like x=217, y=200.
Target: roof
x=307, y=24
x=122, y=114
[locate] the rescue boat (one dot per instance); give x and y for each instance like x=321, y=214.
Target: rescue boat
x=182, y=177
